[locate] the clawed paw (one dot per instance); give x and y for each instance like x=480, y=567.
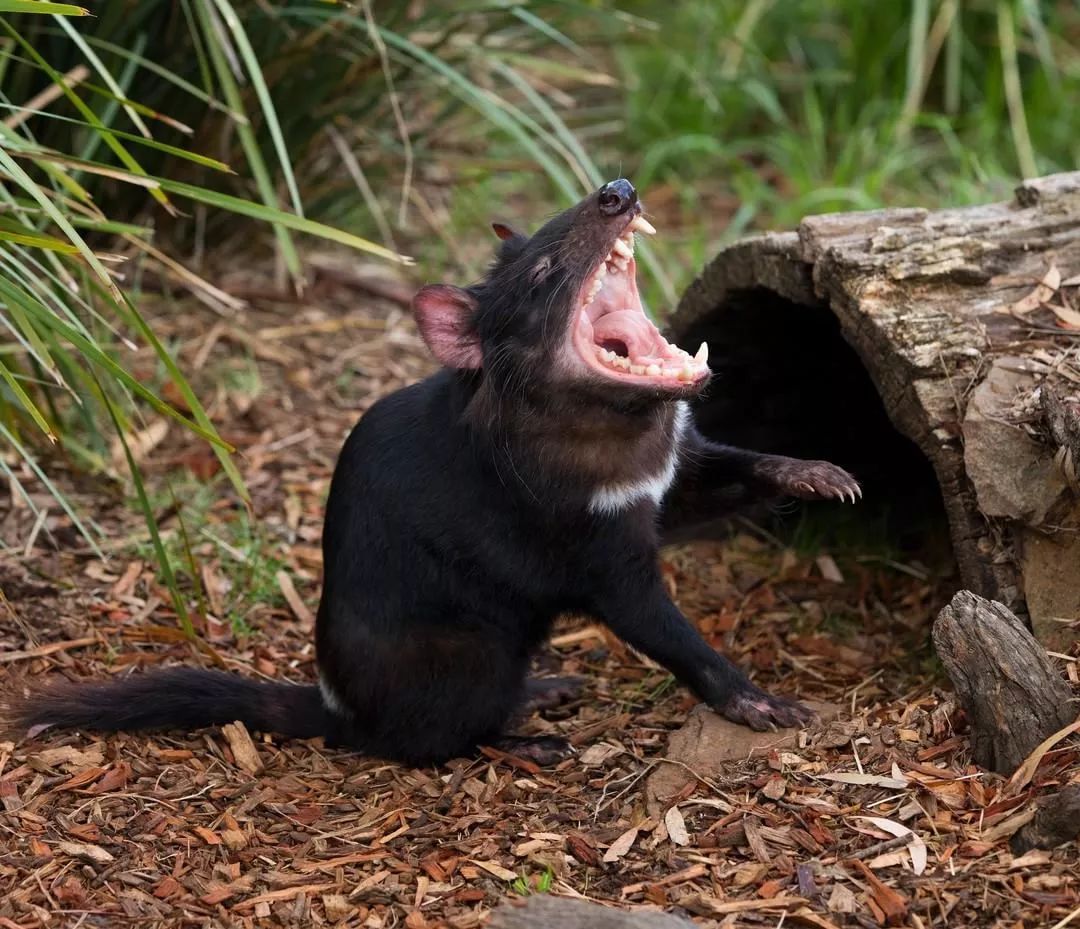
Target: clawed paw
x=810, y=480
x=545, y=693
x=543, y=750
x=761, y=712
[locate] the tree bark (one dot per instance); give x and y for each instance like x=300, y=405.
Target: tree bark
x=1013, y=696
x=917, y=346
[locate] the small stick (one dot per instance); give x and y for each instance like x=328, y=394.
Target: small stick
x=447, y=798
x=887, y=846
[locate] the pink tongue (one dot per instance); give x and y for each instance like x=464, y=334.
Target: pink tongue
x=629, y=326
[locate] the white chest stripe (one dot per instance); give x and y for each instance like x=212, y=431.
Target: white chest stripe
x=611, y=498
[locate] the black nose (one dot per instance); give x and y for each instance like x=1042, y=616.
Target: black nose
x=617, y=197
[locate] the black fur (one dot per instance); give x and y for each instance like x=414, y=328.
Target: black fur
x=458, y=528
x=184, y=698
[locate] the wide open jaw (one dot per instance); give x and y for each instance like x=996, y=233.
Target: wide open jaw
x=612, y=335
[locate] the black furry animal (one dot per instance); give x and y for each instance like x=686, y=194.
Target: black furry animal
x=527, y=479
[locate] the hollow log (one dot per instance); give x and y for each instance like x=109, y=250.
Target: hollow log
x=544, y=912
x=1013, y=695
x=936, y=354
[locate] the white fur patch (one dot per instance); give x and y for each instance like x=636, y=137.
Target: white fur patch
x=331, y=699
x=613, y=498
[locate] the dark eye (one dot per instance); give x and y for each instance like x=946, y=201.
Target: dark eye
x=541, y=269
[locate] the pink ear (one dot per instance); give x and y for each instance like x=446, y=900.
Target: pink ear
x=444, y=315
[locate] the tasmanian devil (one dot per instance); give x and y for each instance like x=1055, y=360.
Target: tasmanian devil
x=527, y=479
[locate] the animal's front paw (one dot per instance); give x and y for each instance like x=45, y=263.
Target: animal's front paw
x=810, y=480
x=760, y=711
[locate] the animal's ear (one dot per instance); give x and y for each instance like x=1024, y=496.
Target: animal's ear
x=505, y=232
x=444, y=314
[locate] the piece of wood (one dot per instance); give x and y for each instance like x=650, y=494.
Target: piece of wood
x=1013, y=695
x=930, y=352
x=547, y=912
x=1057, y=821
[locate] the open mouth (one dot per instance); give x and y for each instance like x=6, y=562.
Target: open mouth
x=613, y=335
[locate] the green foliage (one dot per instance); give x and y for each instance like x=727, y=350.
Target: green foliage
x=755, y=114
x=70, y=172
x=526, y=885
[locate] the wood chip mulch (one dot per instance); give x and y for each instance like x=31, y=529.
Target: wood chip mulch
x=876, y=819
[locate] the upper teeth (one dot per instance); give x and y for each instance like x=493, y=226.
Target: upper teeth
x=682, y=367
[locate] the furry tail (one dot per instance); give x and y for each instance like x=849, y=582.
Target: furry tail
x=181, y=698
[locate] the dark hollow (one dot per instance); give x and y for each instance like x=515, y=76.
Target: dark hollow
x=786, y=382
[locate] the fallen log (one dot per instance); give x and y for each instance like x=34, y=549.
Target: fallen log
x=1010, y=690
x=936, y=354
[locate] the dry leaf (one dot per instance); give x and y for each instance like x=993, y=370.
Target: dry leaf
x=842, y=900
x=296, y=604
x=621, y=845
x=496, y=869
x=829, y=571
x=867, y=780
x=1071, y=318
x=93, y=853
x=916, y=848
x=1023, y=775
x=676, y=826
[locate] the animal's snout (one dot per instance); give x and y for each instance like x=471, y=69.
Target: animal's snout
x=617, y=197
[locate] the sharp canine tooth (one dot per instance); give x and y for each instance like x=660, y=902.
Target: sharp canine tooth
x=702, y=355
x=653, y=370
x=622, y=248
x=641, y=224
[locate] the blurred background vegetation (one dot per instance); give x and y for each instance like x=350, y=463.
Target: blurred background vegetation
x=155, y=140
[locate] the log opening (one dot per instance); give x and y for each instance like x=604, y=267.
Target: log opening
x=932, y=354
x=786, y=382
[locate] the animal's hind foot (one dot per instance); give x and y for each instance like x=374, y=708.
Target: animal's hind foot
x=544, y=693
x=543, y=750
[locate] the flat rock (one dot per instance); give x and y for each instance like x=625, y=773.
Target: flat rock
x=707, y=742
x=547, y=912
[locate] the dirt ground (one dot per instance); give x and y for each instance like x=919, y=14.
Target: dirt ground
x=878, y=818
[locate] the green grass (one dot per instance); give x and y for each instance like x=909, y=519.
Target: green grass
x=234, y=540
x=540, y=883
x=753, y=114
